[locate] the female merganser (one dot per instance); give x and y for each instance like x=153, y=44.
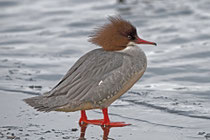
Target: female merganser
x=100, y=76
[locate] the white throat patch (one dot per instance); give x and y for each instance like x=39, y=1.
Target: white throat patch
x=131, y=43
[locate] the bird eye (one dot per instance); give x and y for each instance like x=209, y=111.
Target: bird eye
x=130, y=37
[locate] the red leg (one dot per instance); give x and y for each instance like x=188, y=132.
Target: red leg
x=106, y=116
x=103, y=122
x=107, y=122
x=83, y=117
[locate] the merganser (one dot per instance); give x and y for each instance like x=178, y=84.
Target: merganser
x=100, y=76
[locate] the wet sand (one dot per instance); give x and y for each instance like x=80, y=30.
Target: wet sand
x=19, y=121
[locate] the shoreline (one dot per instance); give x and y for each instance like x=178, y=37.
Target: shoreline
x=19, y=121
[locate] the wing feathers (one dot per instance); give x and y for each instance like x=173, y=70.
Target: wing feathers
x=81, y=83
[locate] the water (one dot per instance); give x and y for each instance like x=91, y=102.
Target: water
x=40, y=40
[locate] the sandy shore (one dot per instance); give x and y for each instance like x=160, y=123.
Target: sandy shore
x=19, y=121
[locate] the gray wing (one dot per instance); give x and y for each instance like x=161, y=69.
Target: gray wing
x=94, y=77
x=83, y=80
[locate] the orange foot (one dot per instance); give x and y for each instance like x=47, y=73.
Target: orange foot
x=103, y=122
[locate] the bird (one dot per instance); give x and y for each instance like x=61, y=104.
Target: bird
x=100, y=76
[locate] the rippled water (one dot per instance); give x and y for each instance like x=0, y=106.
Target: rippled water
x=40, y=40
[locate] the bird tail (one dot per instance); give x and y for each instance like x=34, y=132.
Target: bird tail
x=38, y=103
x=45, y=104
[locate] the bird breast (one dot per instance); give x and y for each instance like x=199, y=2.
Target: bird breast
x=126, y=67
x=134, y=66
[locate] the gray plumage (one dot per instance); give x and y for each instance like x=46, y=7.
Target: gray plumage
x=95, y=81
